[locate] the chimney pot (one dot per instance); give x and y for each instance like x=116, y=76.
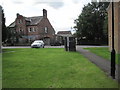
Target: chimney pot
x=44, y=13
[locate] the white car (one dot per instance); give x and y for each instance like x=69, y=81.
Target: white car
x=37, y=44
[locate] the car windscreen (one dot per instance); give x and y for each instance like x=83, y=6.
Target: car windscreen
x=37, y=42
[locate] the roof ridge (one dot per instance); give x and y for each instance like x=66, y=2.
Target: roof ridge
x=64, y=32
x=33, y=16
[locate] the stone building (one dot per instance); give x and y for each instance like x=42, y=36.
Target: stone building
x=28, y=29
x=0, y=26
x=116, y=26
x=61, y=36
x=0, y=47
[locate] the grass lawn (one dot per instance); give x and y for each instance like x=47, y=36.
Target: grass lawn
x=103, y=52
x=51, y=68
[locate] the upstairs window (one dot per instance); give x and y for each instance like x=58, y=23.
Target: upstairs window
x=30, y=29
x=20, y=21
x=34, y=29
x=46, y=30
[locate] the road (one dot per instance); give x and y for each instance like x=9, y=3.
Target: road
x=78, y=46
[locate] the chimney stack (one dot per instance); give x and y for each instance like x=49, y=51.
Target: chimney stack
x=44, y=13
x=17, y=14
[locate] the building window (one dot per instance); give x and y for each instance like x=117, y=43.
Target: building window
x=21, y=31
x=30, y=29
x=46, y=30
x=20, y=21
x=34, y=29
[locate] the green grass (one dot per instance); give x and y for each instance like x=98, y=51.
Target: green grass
x=103, y=52
x=51, y=68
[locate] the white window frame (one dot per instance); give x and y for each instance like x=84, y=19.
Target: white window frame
x=20, y=21
x=20, y=29
x=30, y=29
x=46, y=29
x=34, y=29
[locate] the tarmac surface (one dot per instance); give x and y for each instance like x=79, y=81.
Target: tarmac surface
x=102, y=63
x=78, y=46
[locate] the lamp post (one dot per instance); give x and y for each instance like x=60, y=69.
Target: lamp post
x=113, y=50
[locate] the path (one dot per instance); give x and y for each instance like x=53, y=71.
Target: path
x=99, y=61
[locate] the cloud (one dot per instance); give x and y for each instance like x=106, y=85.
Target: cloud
x=81, y=1
x=61, y=13
x=17, y=2
x=56, y=4
x=52, y=3
x=76, y=1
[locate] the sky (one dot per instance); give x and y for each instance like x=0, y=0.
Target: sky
x=61, y=13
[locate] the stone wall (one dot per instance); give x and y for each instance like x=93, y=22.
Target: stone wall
x=0, y=28
x=0, y=47
x=116, y=26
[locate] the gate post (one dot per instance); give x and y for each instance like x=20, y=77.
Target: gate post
x=70, y=44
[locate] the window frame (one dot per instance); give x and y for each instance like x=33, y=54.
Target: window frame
x=46, y=29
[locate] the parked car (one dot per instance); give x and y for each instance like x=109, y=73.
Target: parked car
x=37, y=44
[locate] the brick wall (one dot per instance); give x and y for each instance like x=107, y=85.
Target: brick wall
x=20, y=24
x=0, y=28
x=42, y=30
x=46, y=31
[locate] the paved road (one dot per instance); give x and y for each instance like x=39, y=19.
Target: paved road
x=30, y=47
x=78, y=46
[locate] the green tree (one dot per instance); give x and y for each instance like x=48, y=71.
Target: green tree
x=4, y=30
x=91, y=24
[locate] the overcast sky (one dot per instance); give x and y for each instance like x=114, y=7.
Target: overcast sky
x=61, y=13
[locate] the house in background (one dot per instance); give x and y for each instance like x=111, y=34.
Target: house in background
x=27, y=29
x=61, y=36
x=116, y=26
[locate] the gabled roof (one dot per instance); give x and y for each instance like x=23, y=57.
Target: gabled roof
x=64, y=32
x=12, y=25
x=34, y=20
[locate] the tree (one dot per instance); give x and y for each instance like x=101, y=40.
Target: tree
x=91, y=22
x=4, y=30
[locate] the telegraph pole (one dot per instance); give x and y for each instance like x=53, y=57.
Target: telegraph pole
x=113, y=49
